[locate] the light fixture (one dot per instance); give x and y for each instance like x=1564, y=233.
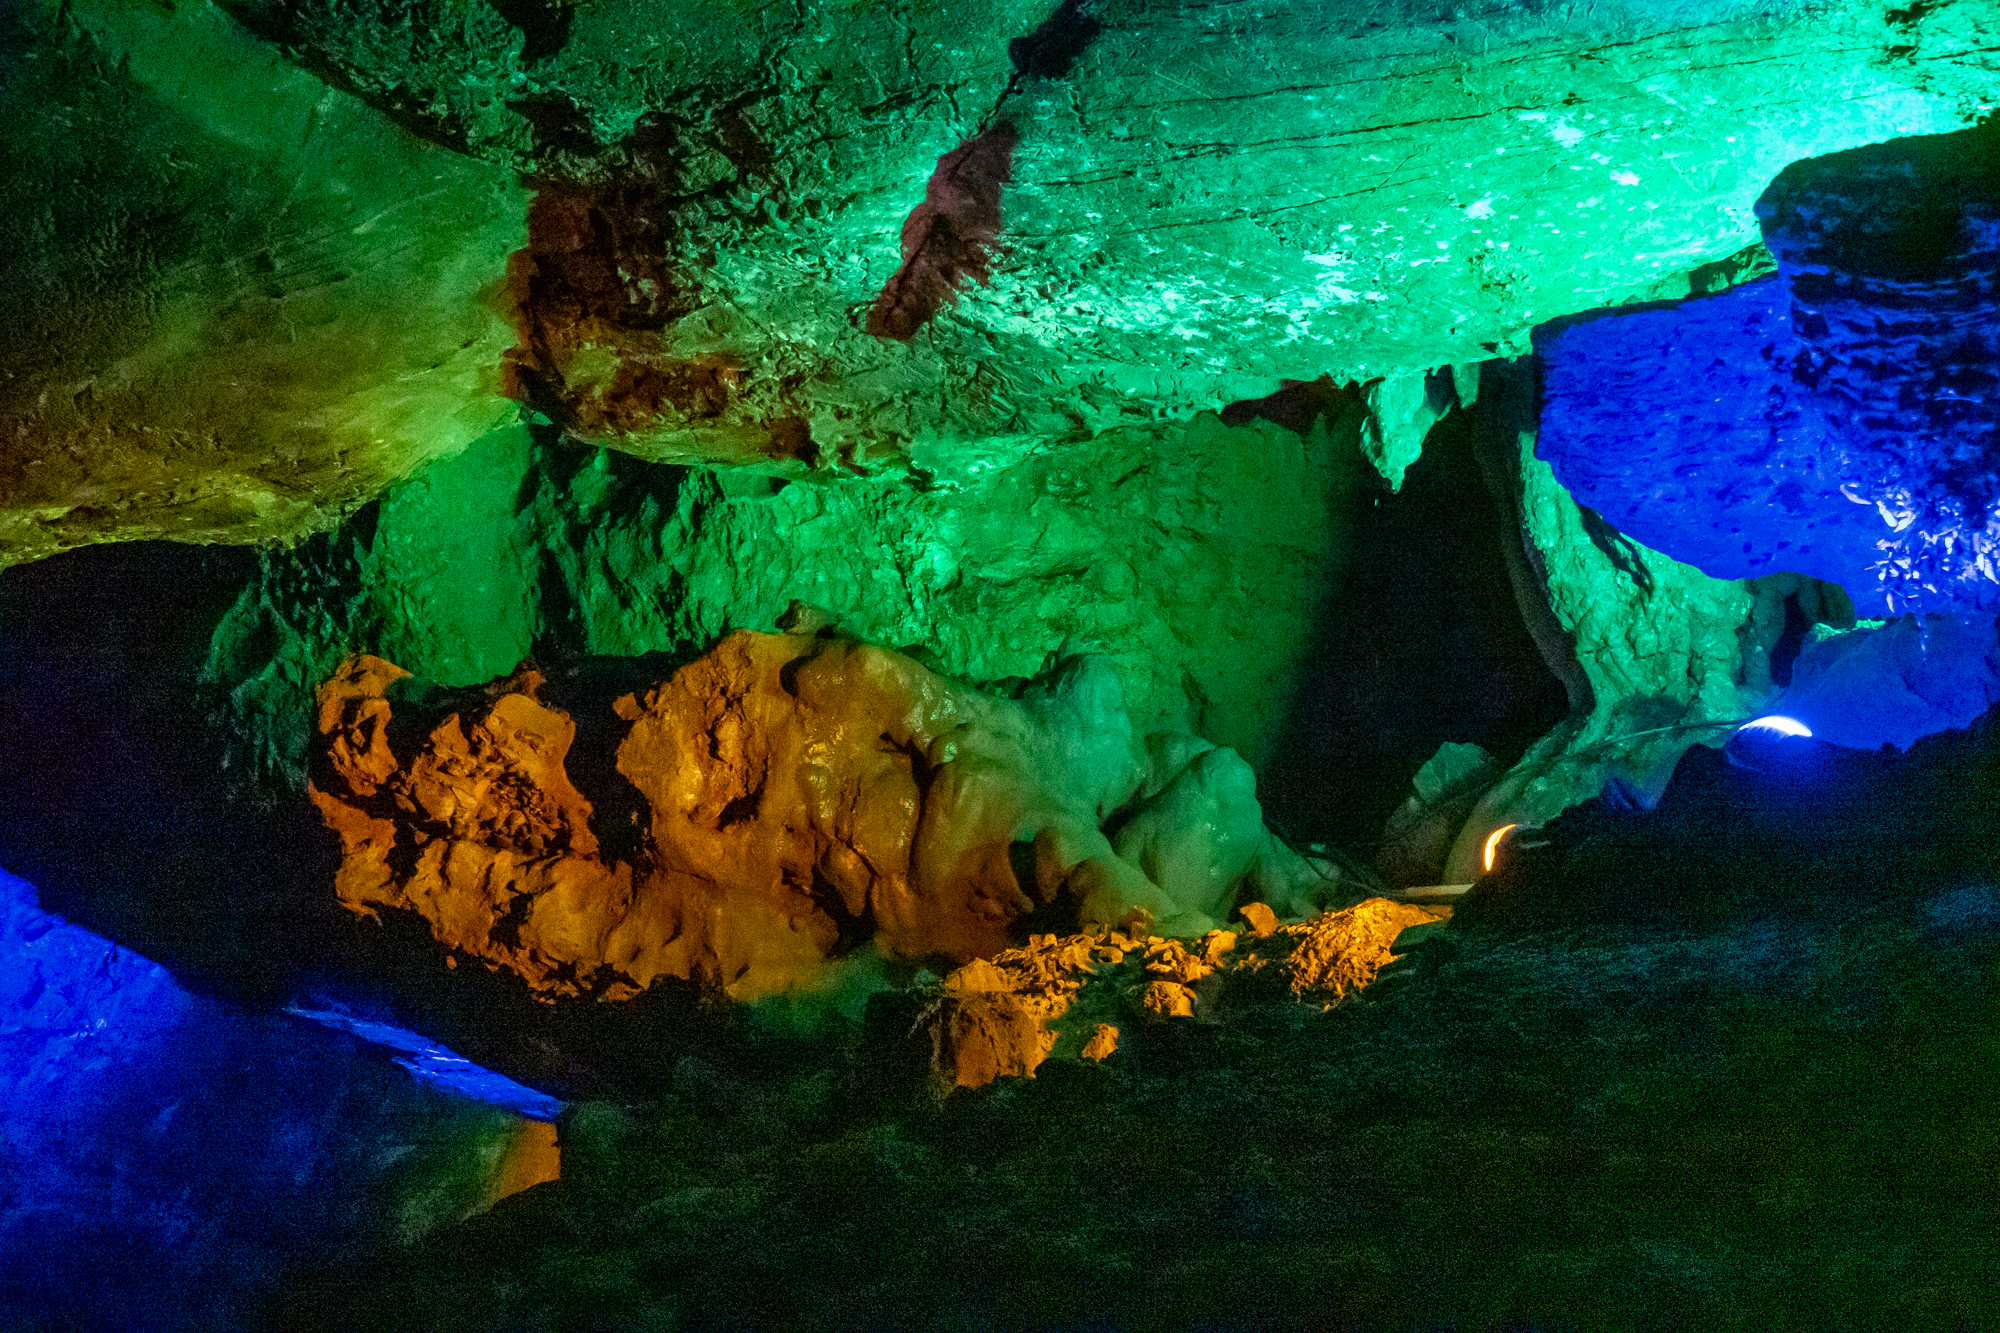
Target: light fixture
x=1777, y=724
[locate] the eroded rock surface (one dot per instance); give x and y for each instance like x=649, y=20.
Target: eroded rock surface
x=1184, y=206
x=721, y=198
x=794, y=795
x=239, y=303
x=1193, y=556
x=1835, y=420
x=999, y=1016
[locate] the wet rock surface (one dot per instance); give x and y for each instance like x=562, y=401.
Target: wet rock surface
x=719, y=201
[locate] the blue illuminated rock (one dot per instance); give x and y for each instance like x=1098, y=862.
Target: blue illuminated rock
x=166, y=1159
x=1838, y=420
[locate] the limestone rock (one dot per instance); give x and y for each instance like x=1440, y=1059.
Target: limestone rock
x=1328, y=957
x=1889, y=684
x=1829, y=420
x=1418, y=835
x=1192, y=204
x=240, y=303
x=1658, y=655
x=1006, y=1016
x=1192, y=556
x=794, y=795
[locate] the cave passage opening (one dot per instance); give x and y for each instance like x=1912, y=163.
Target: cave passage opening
x=1422, y=641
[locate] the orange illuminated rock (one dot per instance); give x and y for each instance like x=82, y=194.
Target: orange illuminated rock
x=799, y=794
x=1103, y=1041
x=1325, y=958
x=991, y=1016
x=1260, y=918
x=529, y=1157
x=998, y=1016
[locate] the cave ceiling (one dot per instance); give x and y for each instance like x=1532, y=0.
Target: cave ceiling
x=266, y=258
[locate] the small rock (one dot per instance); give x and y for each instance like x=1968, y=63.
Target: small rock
x=1262, y=920
x=1169, y=999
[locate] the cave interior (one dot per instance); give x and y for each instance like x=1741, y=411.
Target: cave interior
x=973, y=664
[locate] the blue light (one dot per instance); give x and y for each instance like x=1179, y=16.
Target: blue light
x=437, y=1065
x=1891, y=683
x=165, y=1156
x=1777, y=725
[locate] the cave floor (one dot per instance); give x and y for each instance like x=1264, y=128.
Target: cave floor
x=1787, y=1119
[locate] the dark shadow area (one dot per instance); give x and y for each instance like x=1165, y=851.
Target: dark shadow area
x=115, y=803
x=1296, y=405
x=543, y=25
x=1768, y=825
x=1053, y=48
x=1422, y=642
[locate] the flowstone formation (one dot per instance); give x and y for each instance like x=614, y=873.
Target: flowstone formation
x=788, y=798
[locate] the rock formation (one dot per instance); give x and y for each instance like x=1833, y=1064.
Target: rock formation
x=1835, y=419
x=1193, y=203
x=1193, y=556
x=239, y=304
x=1143, y=419
x=797, y=795
x=1000, y=1016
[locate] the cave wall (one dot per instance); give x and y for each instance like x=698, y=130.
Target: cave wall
x=1193, y=556
x=239, y=303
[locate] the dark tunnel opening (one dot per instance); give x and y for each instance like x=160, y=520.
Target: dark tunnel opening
x=1420, y=642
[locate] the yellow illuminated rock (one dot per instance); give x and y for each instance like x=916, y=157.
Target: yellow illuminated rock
x=799, y=793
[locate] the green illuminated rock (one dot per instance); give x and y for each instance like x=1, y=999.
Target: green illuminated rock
x=1663, y=657
x=1191, y=201
x=1191, y=556
x=238, y=303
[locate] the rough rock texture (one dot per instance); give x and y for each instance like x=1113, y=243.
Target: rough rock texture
x=167, y=1158
x=1893, y=257
x=1661, y=648
x=1684, y=429
x=795, y=795
x=239, y=303
x=1837, y=420
x=1207, y=607
x=1890, y=684
x=1193, y=201
x=1192, y=556
x=998, y=1016
x=1654, y=655
x=1422, y=638
x=1730, y=1121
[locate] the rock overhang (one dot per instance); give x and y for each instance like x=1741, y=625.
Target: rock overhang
x=1200, y=203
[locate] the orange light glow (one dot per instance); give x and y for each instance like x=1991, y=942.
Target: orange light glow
x=1493, y=843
